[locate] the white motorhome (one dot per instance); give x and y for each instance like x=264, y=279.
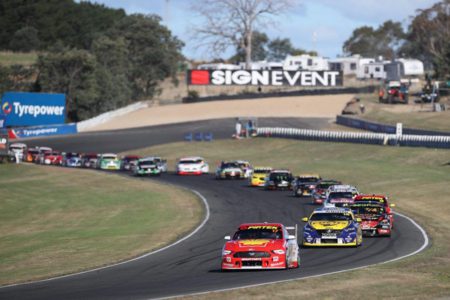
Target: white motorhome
x=262, y=65
x=305, y=62
x=351, y=65
x=218, y=66
x=372, y=70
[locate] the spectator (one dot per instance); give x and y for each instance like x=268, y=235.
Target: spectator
x=238, y=129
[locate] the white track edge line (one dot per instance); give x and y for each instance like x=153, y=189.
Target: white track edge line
x=424, y=245
x=207, y=215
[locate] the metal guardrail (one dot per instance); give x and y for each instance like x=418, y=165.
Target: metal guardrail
x=356, y=137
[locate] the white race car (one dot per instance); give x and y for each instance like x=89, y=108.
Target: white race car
x=192, y=166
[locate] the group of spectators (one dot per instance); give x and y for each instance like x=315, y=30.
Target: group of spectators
x=245, y=130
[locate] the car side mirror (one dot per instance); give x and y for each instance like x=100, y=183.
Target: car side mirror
x=358, y=220
x=305, y=219
x=227, y=238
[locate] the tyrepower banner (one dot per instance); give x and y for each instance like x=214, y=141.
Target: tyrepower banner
x=36, y=131
x=27, y=109
x=264, y=78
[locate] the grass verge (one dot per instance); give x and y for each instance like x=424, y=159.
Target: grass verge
x=55, y=221
x=8, y=58
x=411, y=115
x=416, y=179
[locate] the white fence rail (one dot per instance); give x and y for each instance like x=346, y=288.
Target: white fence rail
x=357, y=137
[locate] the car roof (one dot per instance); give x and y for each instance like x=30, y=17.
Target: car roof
x=308, y=175
x=342, y=188
x=109, y=154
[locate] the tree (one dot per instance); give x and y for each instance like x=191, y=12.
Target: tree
x=71, y=71
x=259, y=52
x=154, y=54
x=429, y=37
x=232, y=22
x=385, y=41
x=25, y=39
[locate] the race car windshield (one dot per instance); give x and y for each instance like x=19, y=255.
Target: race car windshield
x=230, y=165
x=146, y=163
x=336, y=195
x=261, y=171
x=309, y=179
x=254, y=234
x=190, y=162
x=109, y=157
x=367, y=210
x=280, y=176
x=324, y=185
x=331, y=217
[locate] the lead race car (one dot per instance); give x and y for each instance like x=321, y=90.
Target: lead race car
x=192, y=166
x=332, y=226
x=261, y=246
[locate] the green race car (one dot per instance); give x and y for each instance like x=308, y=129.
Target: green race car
x=146, y=167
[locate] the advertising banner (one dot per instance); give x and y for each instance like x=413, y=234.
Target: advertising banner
x=36, y=131
x=28, y=109
x=264, y=78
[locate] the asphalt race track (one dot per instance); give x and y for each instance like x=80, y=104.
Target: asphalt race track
x=194, y=265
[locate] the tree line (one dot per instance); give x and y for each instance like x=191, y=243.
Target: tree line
x=426, y=38
x=99, y=57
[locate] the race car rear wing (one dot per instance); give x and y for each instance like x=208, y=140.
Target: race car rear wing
x=295, y=228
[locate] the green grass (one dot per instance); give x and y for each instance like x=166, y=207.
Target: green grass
x=55, y=221
x=416, y=179
x=8, y=58
x=413, y=116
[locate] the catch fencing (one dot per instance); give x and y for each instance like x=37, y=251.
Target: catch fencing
x=357, y=137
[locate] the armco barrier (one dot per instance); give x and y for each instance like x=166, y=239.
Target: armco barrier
x=47, y=130
x=356, y=137
x=377, y=127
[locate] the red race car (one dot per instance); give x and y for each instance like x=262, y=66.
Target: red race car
x=382, y=200
x=53, y=158
x=374, y=219
x=261, y=246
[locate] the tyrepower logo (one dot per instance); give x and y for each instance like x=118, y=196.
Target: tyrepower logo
x=7, y=108
x=37, y=110
x=264, y=78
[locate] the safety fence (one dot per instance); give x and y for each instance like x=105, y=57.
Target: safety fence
x=378, y=127
x=357, y=137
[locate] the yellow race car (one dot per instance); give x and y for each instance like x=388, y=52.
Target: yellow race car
x=258, y=176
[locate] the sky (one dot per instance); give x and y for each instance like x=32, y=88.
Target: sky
x=320, y=25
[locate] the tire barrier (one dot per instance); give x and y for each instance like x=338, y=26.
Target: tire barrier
x=356, y=137
x=378, y=127
x=198, y=136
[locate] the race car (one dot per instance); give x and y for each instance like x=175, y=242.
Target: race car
x=17, y=151
x=374, y=219
x=160, y=163
x=382, y=199
x=229, y=170
x=319, y=192
x=41, y=154
x=89, y=160
x=304, y=184
x=258, y=176
x=71, y=159
x=278, y=180
x=52, y=158
x=246, y=167
x=340, y=195
x=128, y=161
x=261, y=246
x=332, y=226
x=146, y=167
x=31, y=155
x=108, y=161
x=192, y=166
